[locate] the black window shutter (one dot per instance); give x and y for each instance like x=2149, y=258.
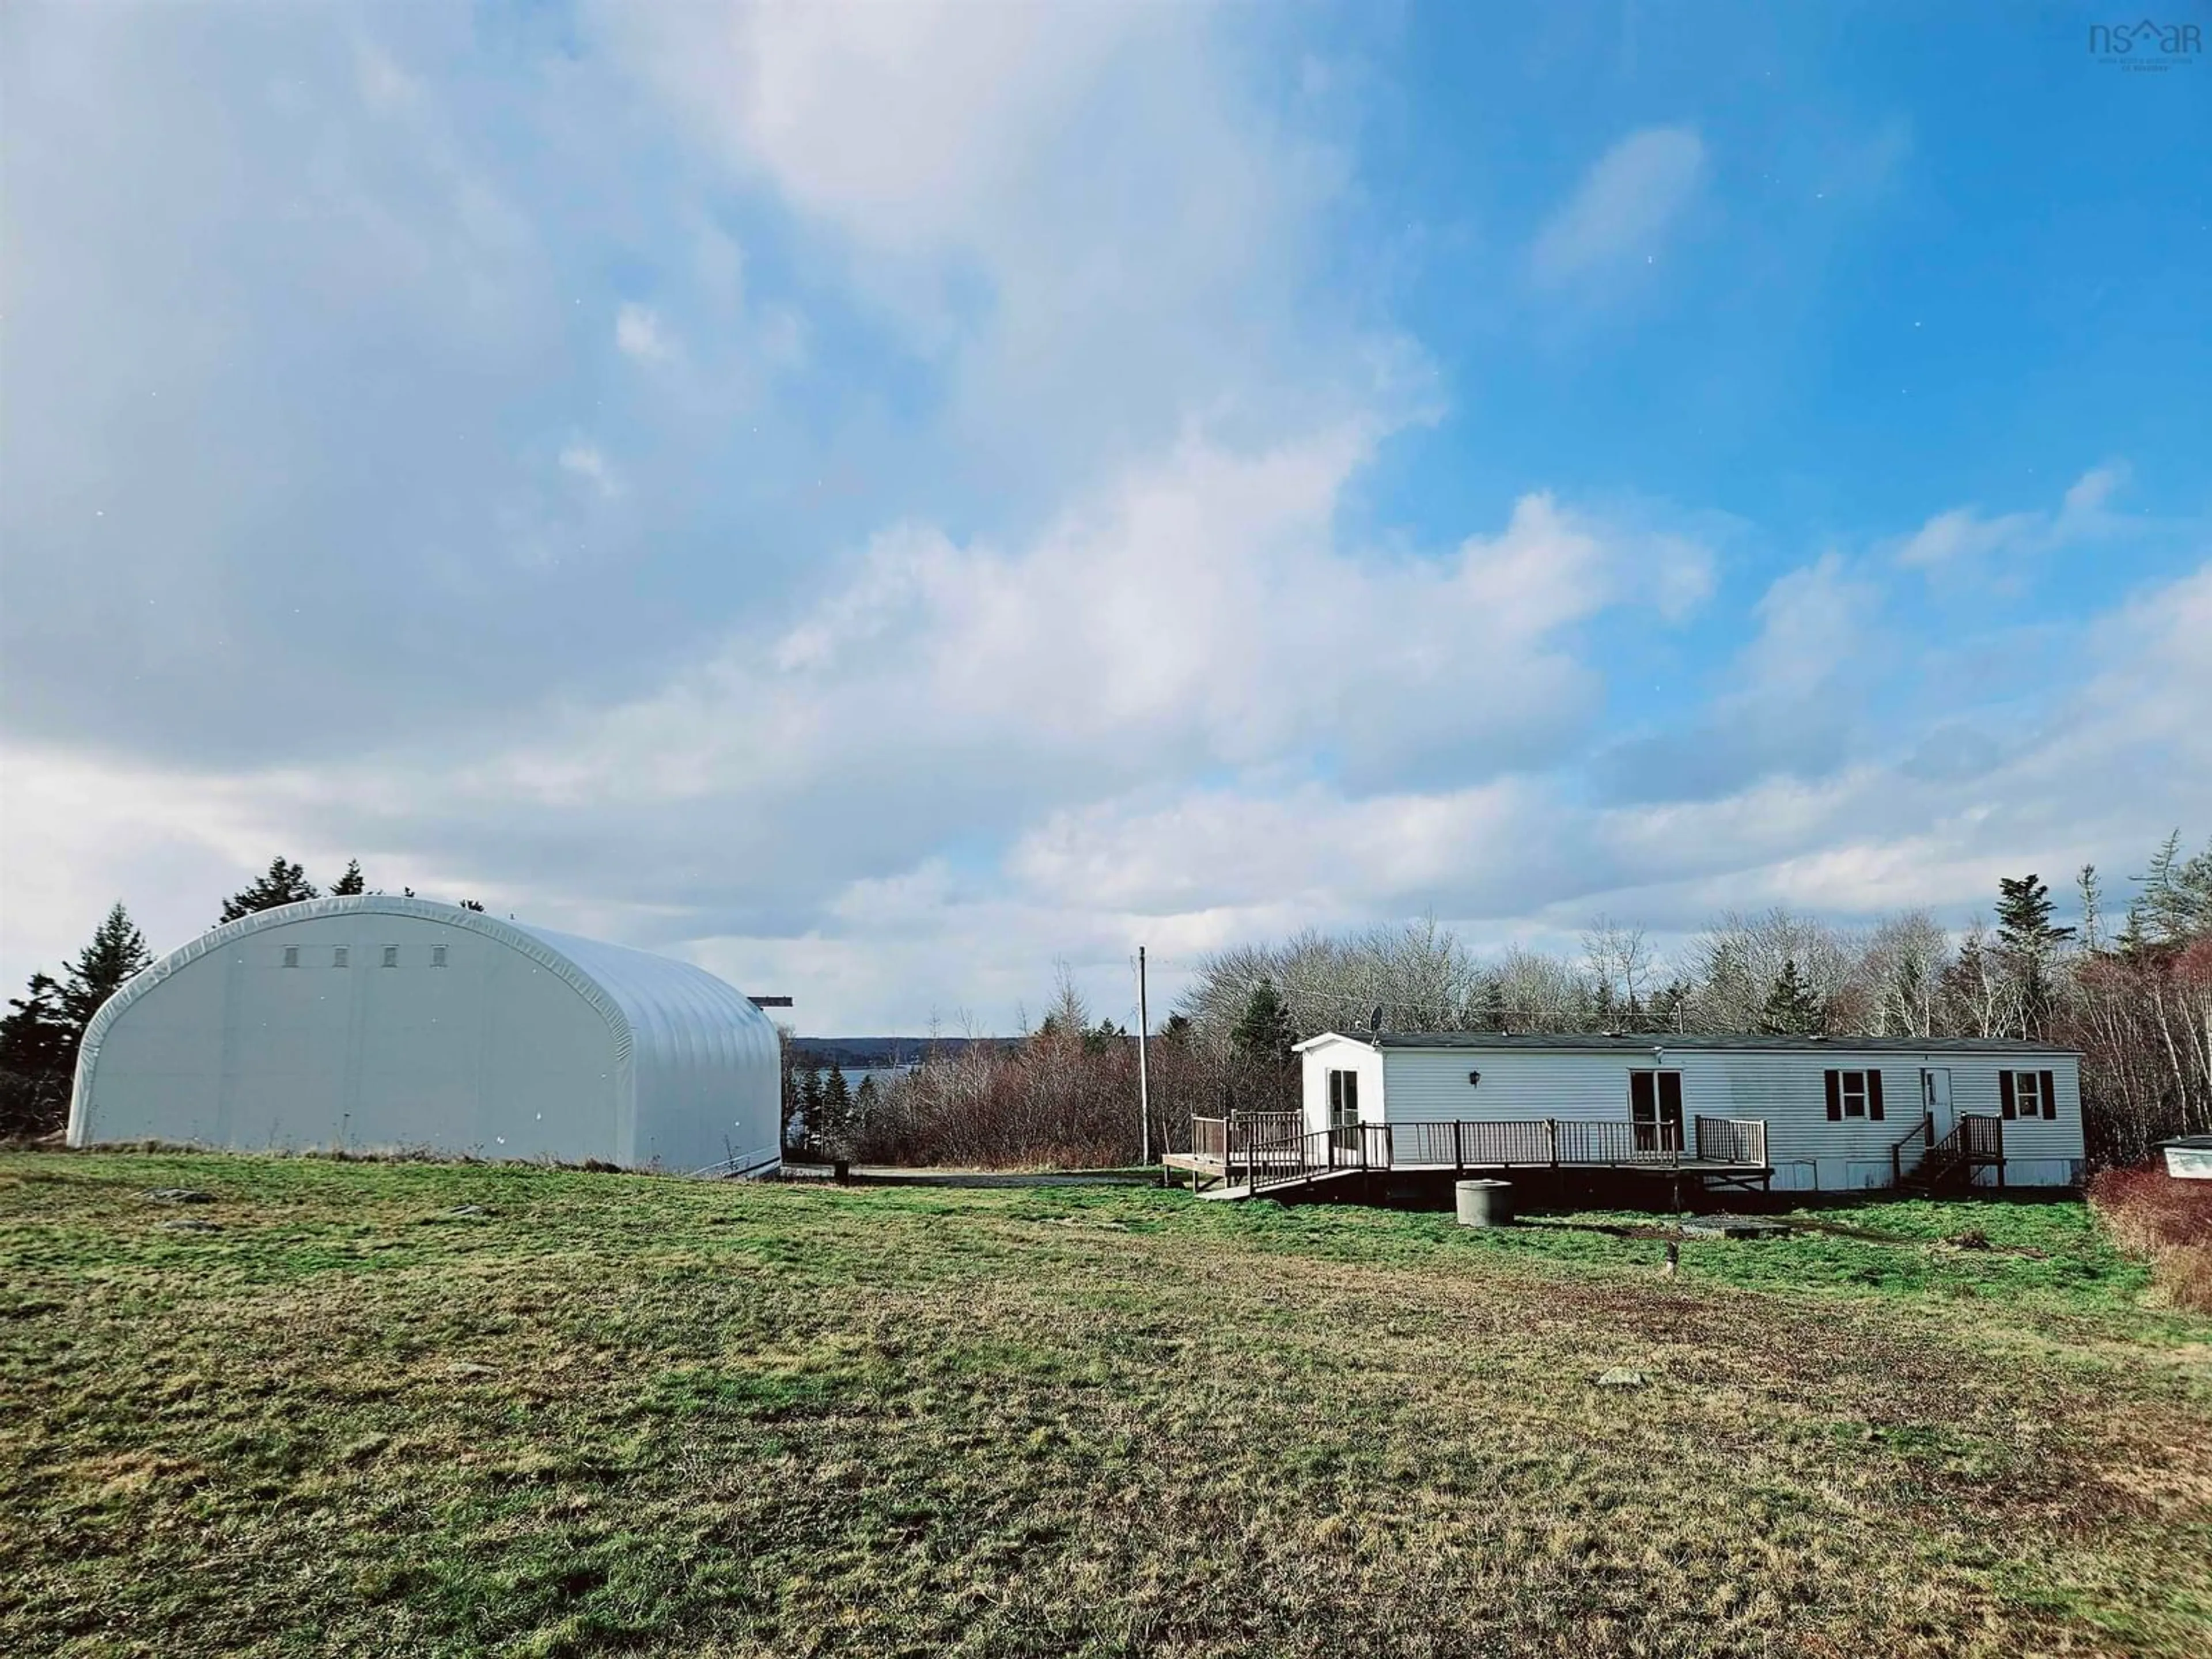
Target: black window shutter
x=1836, y=1098
x=2004, y=1092
x=2050, y=1097
x=1873, y=1096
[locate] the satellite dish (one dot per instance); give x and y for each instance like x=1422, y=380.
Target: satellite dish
x=1374, y=1019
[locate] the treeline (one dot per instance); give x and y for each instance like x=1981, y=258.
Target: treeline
x=45, y=1027
x=1064, y=1096
x=2136, y=999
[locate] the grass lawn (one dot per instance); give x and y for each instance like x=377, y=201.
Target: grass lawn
x=323, y=1414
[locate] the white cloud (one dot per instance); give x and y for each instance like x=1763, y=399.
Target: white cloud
x=1812, y=623
x=691, y=841
x=642, y=336
x=1039, y=199
x=581, y=460
x=1623, y=206
x=908, y=125
x=1196, y=613
x=383, y=85
x=1963, y=537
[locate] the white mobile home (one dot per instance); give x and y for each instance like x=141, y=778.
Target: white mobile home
x=1803, y=1114
x=1836, y=1114
x=372, y=1022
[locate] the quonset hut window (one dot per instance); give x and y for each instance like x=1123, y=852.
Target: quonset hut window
x=339, y=956
x=391, y=955
x=291, y=956
x=437, y=956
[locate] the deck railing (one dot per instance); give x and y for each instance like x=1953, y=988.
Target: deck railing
x=1266, y=1149
x=1976, y=1142
x=1980, y=1138
x=1732, y=1139
x=1611, y=1141
x=1269, y=1128
x=1907, y=1150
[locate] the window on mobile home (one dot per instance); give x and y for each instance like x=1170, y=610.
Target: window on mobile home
x=1854, y=1094
x=2028, y=1094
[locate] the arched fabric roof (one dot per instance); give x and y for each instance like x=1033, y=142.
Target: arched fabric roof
x=687, y=1028
x=682, y=1036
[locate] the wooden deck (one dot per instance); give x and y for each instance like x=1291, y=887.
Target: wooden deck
x=1252, y=1154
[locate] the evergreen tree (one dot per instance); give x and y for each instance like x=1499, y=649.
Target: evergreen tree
x=2175, y=904
x=1670, y=1008
x=2024, y=924
x=1494, y=1015
x=864, y=1101
x=2091, y=892
x=38, y=1052
x=809, y=1101
x=281, y=884
x=351, y=883
x=836, y=1106
x=117, y=951
x=1791, y=1009
x=1264, y=1031
x=788, y=1064
x=1601, y=1009
x=1178, y=1031
x=2027, y=940
x=2133, y=939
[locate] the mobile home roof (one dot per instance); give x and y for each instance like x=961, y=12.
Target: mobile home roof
x=1695, y=1041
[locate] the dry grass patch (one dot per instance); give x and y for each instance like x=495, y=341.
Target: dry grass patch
x=2166, y=1220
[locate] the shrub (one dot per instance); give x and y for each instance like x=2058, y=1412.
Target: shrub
x=2150, y=1212
x=1063, y=1097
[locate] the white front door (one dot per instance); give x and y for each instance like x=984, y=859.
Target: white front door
x=1935, y=1100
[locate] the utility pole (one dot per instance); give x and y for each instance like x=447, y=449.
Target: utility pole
x=1143, y=1067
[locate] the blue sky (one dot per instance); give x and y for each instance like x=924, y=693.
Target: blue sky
x=880, y=499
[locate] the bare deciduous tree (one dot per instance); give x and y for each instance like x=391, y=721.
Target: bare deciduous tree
x=1619, y=962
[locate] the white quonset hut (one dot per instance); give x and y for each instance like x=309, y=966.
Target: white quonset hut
x=1823, y=1114
x=373, y=1022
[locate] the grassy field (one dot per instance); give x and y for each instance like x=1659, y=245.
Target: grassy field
x=405, y=1408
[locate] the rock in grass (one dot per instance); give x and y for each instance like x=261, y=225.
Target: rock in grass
x=179, y=1195
x=463, y=1213
x=1621, y=1377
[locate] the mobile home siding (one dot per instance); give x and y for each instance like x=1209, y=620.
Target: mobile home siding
x=1429, y=1085
x=1786, y=1088
x=1789, y=1090
x=1336, y=1053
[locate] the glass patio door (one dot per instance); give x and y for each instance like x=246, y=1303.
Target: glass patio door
x=1655, y=1105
